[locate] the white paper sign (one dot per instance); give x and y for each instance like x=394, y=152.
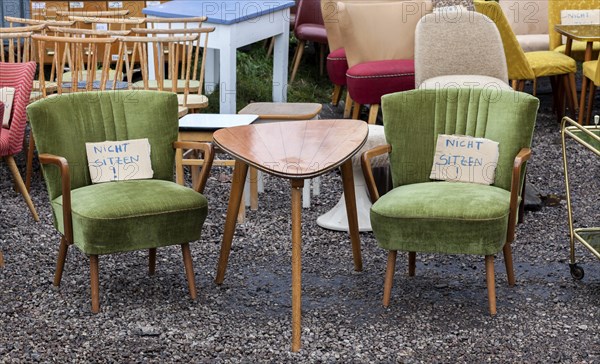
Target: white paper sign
x=152, y=3
x=465, y=159
x=76, y=4
x=115, y=4
x=7, y=95
x=38, y=5
x=102, y=26
x=119, y=160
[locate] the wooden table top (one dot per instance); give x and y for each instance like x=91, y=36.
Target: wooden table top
x=283, y=110
x=582, y=33
x=296, y=149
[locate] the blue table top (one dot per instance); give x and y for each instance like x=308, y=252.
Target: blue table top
x=220, y=11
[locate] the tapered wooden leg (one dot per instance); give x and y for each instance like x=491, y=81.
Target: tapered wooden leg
x=348, y=105
x=337, y=93
x=572, y=93
x=350, y=199
x=590, y=102
x=12, y=166
x=535, y=87
x=189, y=269
x=356, y=111
x=253, y=189
x=322, y=59
x=521, y=217
x=412, y=263
x=297, y=186
x=95, y=283
x=60, y=261
x=237, y=188
x=271, y=42
x=151, y=261
x=508, y=262
x=580, y=117
x=373, y=113
x=1, y=259
x=491, y=285
x=514, y=84
x=389, y=277
x=297, y=59
x=29, y=162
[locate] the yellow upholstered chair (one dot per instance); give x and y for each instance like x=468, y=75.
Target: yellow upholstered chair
x=524, y=66
x=554, y=9
x=591, y=75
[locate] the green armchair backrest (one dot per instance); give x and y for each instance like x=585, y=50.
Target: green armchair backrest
x=101, y=116
x=413, y=119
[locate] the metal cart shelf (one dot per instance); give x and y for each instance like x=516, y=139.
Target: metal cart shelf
x=589, y=137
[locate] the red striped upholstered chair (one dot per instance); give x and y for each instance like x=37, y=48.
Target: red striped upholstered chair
x=20, y=77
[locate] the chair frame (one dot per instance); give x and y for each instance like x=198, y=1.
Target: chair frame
x=67, y=238
x=519, y=161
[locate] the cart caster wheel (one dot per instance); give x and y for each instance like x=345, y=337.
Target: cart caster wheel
x=576, y=272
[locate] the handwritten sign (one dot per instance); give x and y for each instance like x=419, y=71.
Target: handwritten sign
x=579, y=17
x=119, y=160
x=7, y=95
x=465, y=159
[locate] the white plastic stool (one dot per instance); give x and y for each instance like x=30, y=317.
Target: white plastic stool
x=336, y=218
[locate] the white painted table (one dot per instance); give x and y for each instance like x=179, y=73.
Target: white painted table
x=237, y=23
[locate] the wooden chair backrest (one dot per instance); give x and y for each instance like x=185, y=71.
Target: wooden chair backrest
x=15, y=47
x=79, y=56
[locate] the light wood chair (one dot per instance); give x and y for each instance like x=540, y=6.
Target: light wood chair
x=177, y=62
x=191, y=96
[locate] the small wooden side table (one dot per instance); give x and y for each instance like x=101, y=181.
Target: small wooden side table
x=296, y=151
x=274, y=112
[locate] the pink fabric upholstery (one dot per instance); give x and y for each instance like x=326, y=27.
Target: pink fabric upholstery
x=311, y=32
x=20, y=77
x=337, y=65
x=368, y=81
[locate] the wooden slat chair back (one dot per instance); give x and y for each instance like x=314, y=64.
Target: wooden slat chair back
x=81, y=56
x=191, y=96
x=16, y=45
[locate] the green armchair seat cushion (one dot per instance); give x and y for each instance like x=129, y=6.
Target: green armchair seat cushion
x=131, y=215
x=442, y=217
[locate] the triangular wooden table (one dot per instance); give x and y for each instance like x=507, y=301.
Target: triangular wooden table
x=296, y=151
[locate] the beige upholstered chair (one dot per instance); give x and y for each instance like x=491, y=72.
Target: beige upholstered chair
x=461, y=49
x=529, y=21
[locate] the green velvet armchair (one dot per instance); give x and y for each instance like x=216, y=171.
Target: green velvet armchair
x=113, y=217
x=422, y=215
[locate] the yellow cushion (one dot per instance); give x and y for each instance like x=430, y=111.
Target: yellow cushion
x=67, y=76
x=194, y=101
x=578, y=50
x=549, y=63
x=591, y=70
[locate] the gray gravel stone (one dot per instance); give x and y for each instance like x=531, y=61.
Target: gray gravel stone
x=440, y=315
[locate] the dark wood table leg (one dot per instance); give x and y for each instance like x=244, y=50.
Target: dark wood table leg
x=348, y=180
x=297, y=186
x=235, y=198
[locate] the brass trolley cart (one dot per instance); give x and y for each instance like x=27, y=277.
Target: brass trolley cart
x=589, y=137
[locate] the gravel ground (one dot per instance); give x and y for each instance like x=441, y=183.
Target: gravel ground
x=440, y=315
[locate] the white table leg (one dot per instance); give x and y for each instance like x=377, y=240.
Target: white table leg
x=211, y=71
x=280, y=65
x=227, y=85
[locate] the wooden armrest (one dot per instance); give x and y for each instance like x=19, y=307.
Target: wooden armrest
x=208, y=153
x=65, y=179
x=365, y=162
x=515, y=190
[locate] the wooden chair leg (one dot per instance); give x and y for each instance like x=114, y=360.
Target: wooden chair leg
x=412, y=263
x=389, y=277
x=348, y=105
x=491, y=285
x=271, y=42
x=521, y=217
x=60, y=261
x=322, y=58
x=1, y=259
x=95, y=283
x=535, y=87
x=337, y=94
x=189, y=269
x=29, y=162
x=253, y=188
x=297, y=59
x=572, y=93
x=356, y=111
x=151, y=261
x=373, y=113
x=582, y=111
x=592, y=93
x=10, y=160
x=508, y=263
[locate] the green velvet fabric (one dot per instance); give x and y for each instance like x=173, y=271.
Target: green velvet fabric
x=117, y=216
x=452, y=217
x=442, y=217
x=132, y=215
